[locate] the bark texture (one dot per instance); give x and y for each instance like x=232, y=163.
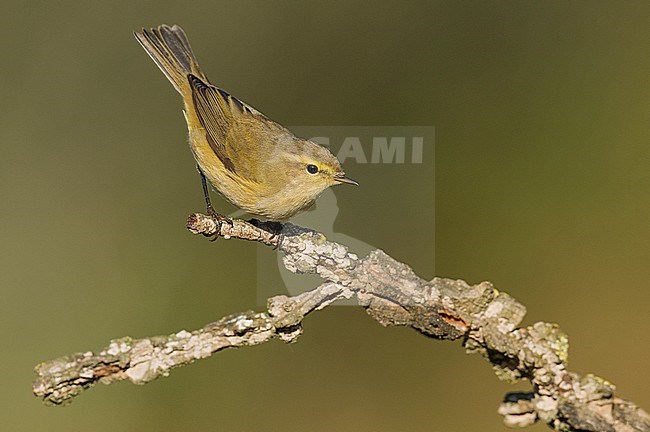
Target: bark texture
x=484, y=319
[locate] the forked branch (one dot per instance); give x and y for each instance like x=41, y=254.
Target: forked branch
x=484, y=319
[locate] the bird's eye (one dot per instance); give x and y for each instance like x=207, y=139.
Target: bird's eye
x=312, y=169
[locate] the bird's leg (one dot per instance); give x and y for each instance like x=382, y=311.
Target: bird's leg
x=280, y=238
x=206, y=194
x=220, y=219
x=275, y=228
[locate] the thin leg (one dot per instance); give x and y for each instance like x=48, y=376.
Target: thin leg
x=208, y=206
x=206, y=193
x=274, y=228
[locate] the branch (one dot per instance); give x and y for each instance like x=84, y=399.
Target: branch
x=486, y=320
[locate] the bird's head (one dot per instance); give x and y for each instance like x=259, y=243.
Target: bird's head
x=316, y=168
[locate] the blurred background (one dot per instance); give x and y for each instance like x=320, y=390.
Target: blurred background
x=542, y=186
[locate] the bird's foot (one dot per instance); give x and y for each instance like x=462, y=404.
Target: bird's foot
x=219, y=219
x=272, y=227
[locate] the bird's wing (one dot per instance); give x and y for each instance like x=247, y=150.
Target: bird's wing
x=229, y=125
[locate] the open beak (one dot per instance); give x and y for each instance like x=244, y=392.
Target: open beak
x=341, y=178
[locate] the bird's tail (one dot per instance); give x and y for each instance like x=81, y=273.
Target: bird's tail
x=169, y=48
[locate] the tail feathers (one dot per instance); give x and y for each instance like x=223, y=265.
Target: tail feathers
x=171, y=51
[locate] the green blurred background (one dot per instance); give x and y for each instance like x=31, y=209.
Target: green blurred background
x=542, y=186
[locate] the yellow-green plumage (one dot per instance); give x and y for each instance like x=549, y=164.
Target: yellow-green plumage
x=254, y=162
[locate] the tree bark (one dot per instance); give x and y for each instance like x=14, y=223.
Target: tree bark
x=485, y=319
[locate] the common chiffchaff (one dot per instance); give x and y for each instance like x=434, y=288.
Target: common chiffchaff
x=254, y=162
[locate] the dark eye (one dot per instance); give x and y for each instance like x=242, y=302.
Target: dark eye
x=312, y=169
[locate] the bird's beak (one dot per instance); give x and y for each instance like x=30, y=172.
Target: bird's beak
x=341, y=178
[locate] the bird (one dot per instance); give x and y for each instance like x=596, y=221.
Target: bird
x=253, y=162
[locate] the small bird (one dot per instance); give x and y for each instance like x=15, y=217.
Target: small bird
x=255, y=163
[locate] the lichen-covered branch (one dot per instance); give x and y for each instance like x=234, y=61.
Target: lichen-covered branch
x=484, y=319
x=143, y=360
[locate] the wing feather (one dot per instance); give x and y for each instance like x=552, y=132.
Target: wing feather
x=233, y=130
x=215, y=114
